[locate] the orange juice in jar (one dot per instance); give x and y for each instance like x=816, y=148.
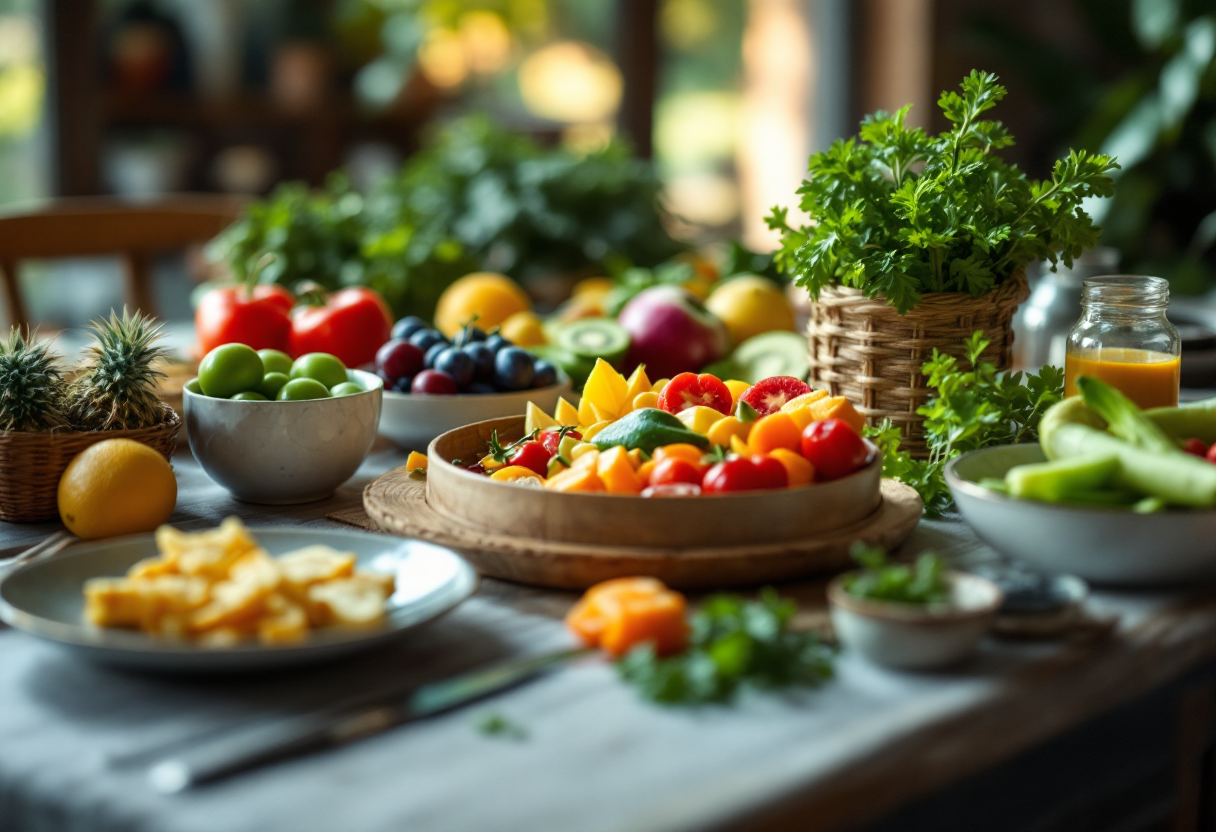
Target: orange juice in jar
x=1125, y=339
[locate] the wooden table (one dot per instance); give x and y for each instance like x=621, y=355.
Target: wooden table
x=1111, y=733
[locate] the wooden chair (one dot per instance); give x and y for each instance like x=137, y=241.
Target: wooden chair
x=98, y=226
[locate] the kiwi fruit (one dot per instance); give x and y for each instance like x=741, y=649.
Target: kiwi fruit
x=594, y=338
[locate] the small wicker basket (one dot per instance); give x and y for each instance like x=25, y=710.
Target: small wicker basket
x=32, y=463
x=863, y=349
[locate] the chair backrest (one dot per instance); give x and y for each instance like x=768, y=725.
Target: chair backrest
x=87, y=226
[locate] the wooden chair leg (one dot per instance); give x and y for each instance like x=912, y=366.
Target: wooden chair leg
x=10, y=282
x=139, y=282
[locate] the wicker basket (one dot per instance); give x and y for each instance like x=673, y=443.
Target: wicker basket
x=32, y=463
x=865, y=350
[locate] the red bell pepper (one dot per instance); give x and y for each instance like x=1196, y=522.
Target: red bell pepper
x=234, y=314
x=352, y=324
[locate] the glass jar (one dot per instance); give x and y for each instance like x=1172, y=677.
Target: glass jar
x=1124, y=338
x=1043, y=322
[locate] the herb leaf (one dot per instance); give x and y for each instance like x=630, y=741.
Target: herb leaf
x=734, y=642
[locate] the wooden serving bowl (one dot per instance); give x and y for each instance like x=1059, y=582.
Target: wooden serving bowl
x=743, y=519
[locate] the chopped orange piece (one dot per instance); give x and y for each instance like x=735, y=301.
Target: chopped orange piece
x=681, y=450
x=777, y=430
x=585, y=459
x=802, y=401
x=837, y=407
x=415, y=461
x=511, y=473
x=620, y=614
x=798, y=468
x=616, y=473
x=645, y=469
x=581, y=478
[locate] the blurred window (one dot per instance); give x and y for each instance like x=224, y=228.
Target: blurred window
x=23, y=141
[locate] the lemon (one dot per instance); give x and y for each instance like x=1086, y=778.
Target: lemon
x=118, y=486
x=492, y=297
x=524, y=329
x=750, y=305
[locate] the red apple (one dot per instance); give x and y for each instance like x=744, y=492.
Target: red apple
x=672, y=332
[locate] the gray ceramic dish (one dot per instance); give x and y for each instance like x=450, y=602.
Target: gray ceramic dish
x=412, y=421
x=1100, y=545
x=44, y=598
x=280, y=453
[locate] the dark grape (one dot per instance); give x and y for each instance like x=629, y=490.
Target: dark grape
x=406, y=327
x=469, y=335
x=456, y=363
x=546, y=374
x=397, y=359
x=433, y=383
x=402, y=385
x=483, y=360
x=428, y=361
x=496, y=342
x=480, y=388
x=514, y=369
x=424, y=339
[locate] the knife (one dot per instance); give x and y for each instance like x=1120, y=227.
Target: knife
x=331, y=728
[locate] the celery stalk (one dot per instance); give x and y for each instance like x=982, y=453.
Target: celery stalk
x=1195, y=419
x=1062, y=479
x=1123, y=418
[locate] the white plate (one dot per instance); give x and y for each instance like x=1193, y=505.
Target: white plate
x=412, y=421
x=44, y=598
x=1101, y=545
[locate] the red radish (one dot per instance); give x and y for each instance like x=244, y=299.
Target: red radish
x=689, y=390
x=769, y=395
x=1195, y=446
x=671, y=332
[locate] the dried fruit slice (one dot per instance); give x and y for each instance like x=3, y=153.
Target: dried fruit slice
x=769, y=395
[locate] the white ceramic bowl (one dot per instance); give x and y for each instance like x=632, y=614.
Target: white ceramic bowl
x=412, y=421
x=281, y=453
x=912, y=637
x=1101, y=545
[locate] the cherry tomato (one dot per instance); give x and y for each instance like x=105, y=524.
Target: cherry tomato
x=552, y=438
x=231, y=315
x=533, y=456
x=1211, y=454
x=833, y=448
x=672, y=470
x=1195, y=446
x=690, y=390
x=744, y=474
x=353, y=324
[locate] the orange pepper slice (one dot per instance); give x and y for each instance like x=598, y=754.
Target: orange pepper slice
x=798, y=469
x=616, y=472
x=777, y=430
x=681, y=450
x=581, y=478
x=620, y=614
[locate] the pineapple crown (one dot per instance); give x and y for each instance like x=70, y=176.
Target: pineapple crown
x=117, y=389
x=32, y=387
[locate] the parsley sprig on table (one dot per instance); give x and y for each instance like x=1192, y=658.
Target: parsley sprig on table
x=897, y=212
x=734, y=642
x=973, y=409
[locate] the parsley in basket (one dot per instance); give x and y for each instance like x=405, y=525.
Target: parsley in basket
x=897, y=212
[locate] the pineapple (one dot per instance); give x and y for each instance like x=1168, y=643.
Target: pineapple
x=31, y=386
x=117, y=388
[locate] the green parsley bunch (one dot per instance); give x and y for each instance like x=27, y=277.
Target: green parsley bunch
x=973, y=409
x=897, y=212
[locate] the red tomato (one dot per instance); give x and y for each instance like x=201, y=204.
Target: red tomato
x=531, y=455
x=672, y=470
x=690, y=390
x=744, y=474
x=353, y=324
x=229, y=315
x=551, y=439
x=833, y=448
x=1195, y=446
x=1211, y=454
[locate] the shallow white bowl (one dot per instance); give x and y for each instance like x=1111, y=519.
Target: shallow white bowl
x=912, y=637
x=412, y=421
x=1101, y=545
x=281, y=453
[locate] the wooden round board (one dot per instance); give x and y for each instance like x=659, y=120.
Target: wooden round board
x=397, y=504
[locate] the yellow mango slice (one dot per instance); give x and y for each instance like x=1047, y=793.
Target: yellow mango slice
x=580, y=449
x=566, y=414
x=416, y=461
x=537, y=419
x=737, y=388
x=699, y=418
x=637, y=383
x=586, y=416
x=837, y=407
x=596, y=427
x=658, y=386
x=616, y=472
x=739, y=447
x=721, y=431
x=642, y=400
x=605, y=389
x=582, y=478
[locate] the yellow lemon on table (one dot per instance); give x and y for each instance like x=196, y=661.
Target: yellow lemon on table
x=750, y=305
x=116, y=487
x=491, y=297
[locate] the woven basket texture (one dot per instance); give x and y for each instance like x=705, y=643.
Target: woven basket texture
x=32, y=463
x=863, y=349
